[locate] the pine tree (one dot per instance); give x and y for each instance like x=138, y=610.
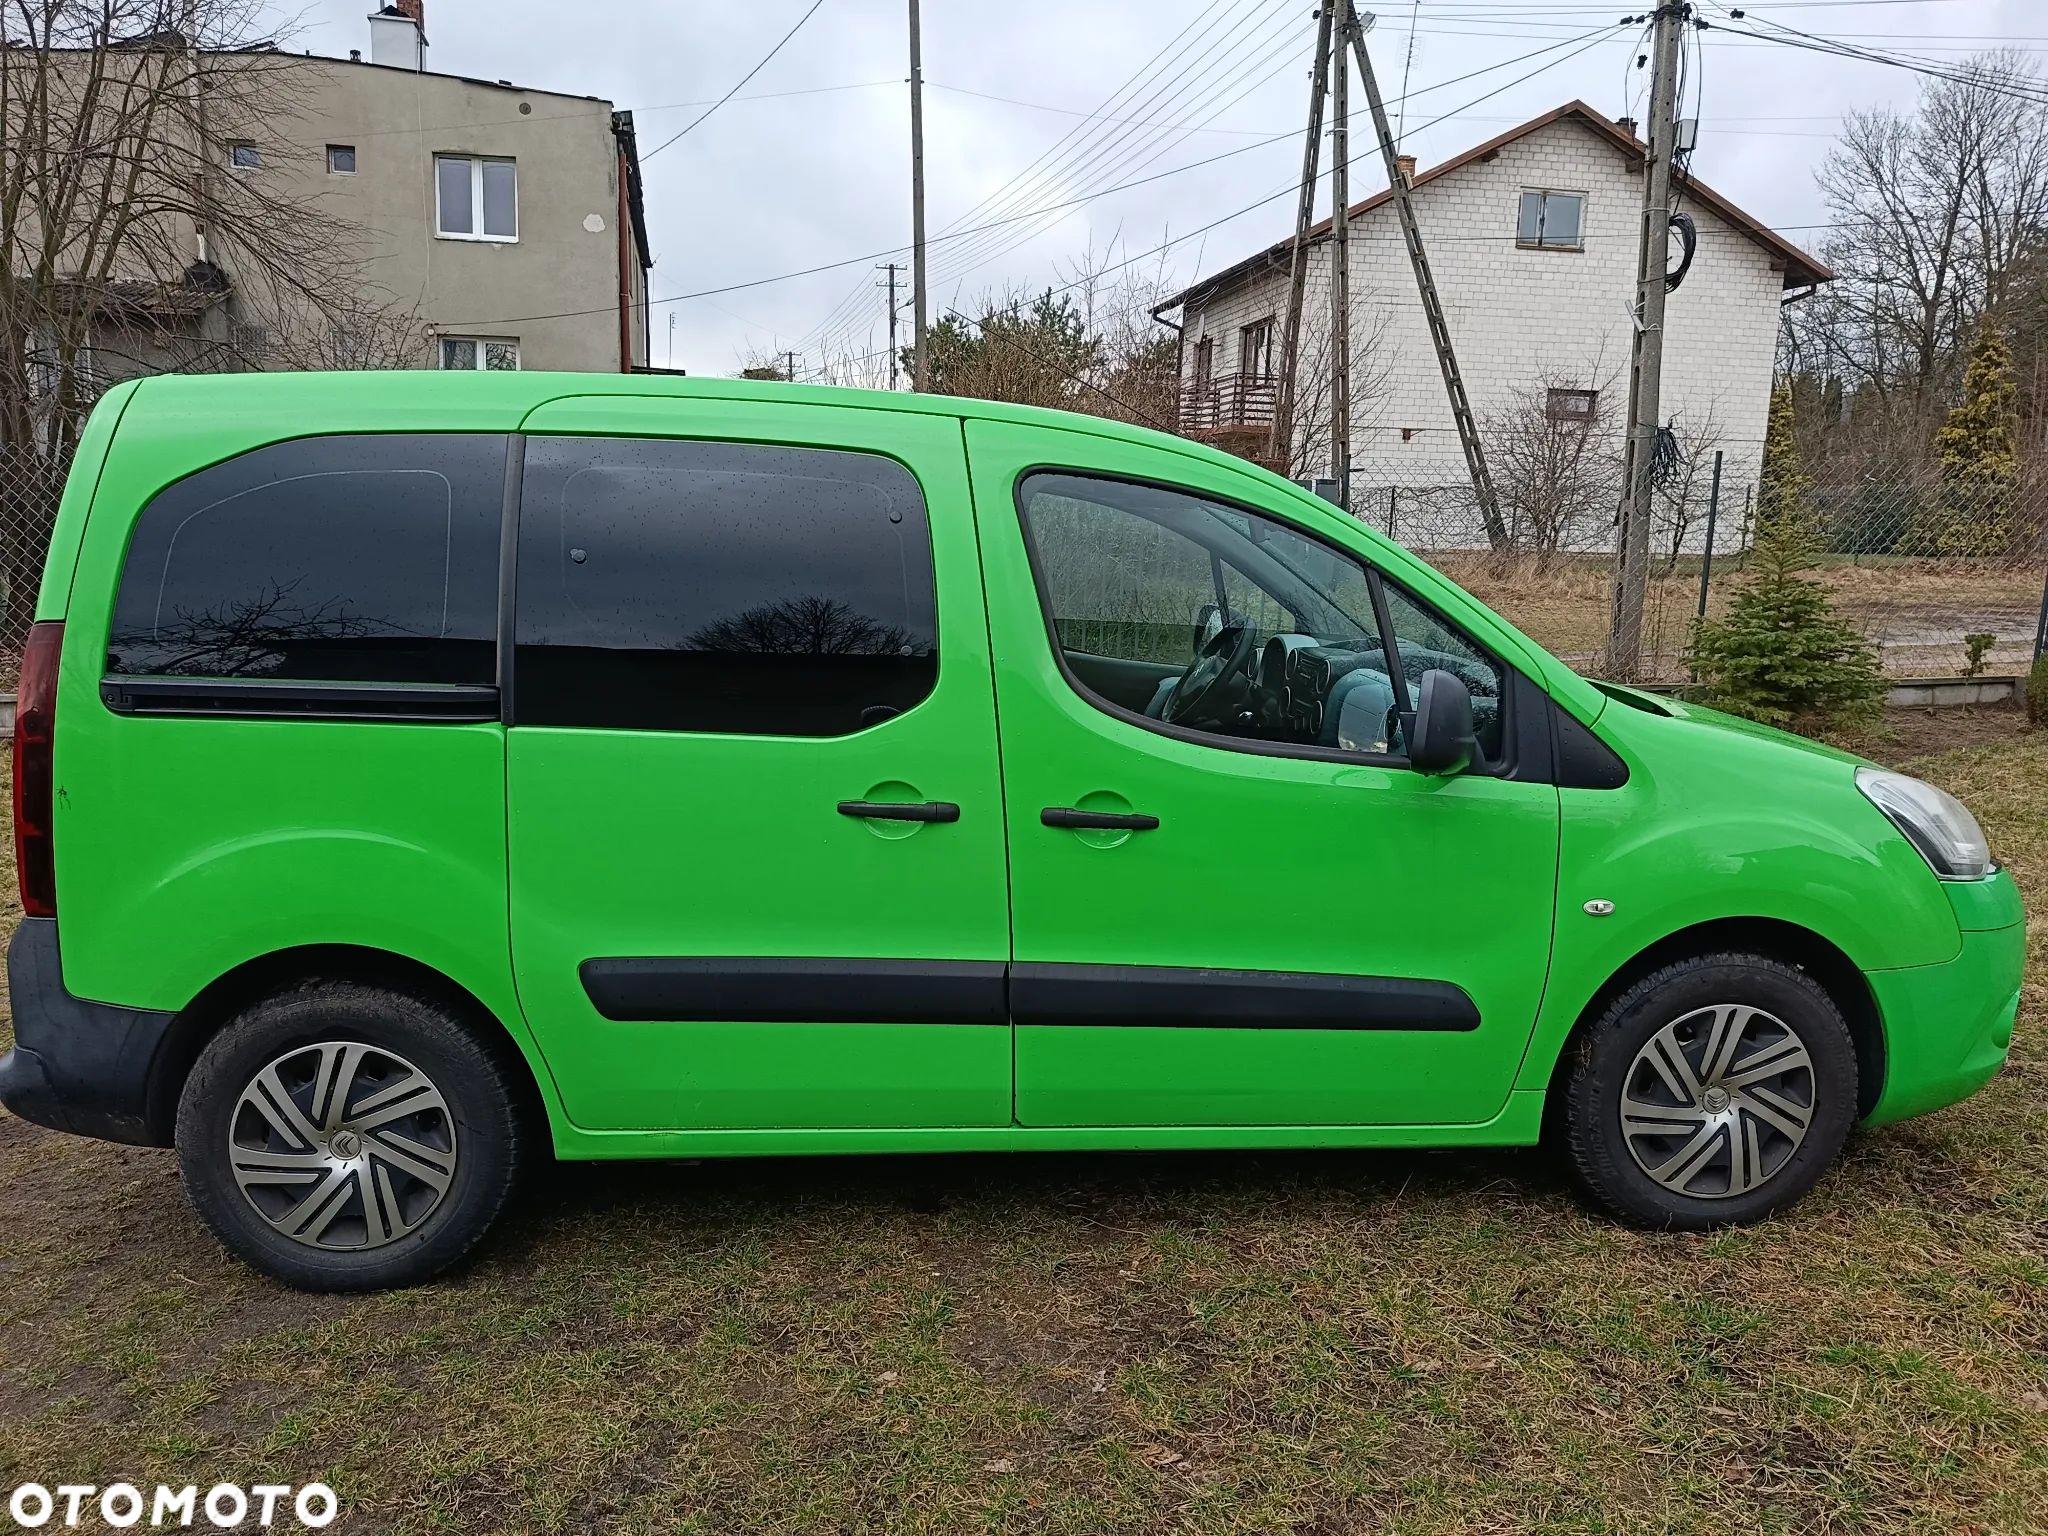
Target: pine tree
x=1978, y=451
x=1782, y=655
x=1782, y=485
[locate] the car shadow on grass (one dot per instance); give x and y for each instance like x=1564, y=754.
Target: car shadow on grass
x=1120, y=1191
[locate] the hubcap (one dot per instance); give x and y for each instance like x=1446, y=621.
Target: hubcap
x=1717, y=1101
x=342, y=1145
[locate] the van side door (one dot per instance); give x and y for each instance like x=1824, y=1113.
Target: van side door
x=1234, y=902
x=756, y=841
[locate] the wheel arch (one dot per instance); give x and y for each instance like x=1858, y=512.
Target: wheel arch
x=1775, y=939
x=218, y=1003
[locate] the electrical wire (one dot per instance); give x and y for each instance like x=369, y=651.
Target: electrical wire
x=1290, y=189
x=728, y=96
x=1164, y=63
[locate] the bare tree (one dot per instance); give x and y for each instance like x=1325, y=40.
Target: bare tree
x=1556, y=462
x=1933, y=213
x=125, y=248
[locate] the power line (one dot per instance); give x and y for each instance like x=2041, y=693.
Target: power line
x=1589, y=38
x=1136, y=157
x=728, y=96
x=1018, y=190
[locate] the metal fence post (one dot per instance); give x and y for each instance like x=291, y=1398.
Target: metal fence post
x=2041, y=623
x=1707, y=554
x=1392, y=492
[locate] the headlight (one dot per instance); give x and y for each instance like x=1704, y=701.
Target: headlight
x=1935, y=822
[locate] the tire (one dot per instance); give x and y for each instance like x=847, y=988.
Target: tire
x=414, y=1111
x=1710, y=1142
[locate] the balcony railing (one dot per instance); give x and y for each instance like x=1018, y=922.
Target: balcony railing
x=1229, y=402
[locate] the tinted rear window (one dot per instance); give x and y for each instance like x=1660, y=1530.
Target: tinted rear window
x=332, y=559
x=720, y=587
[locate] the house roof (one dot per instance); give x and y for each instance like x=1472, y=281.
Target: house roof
x=1801, y=270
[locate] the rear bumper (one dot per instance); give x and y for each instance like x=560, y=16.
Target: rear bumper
x=76, y=1066
x=1949, y=1027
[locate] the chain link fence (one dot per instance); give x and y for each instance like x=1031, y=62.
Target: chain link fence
x=1944, y=581
x=31, y=482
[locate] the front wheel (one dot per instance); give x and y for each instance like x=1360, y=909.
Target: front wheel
x=342, y=1137
x=1713, y=1092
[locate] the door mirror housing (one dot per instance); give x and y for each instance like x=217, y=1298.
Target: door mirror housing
x=1440, y=736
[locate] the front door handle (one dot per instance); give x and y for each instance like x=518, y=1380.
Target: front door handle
x=899, y=810
x=1066, y=816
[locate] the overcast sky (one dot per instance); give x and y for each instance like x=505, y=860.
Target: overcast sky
x=774, y=181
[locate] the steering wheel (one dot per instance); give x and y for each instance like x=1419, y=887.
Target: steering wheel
x=1221, y=659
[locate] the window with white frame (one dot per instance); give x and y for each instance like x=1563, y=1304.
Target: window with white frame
x=1551, y=221
x=341, y=159
x=475, y=198
x=244, y=156
x=498, y=354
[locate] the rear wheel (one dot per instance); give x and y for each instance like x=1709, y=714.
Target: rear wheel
x=1714, y=1091
x=344, y=1137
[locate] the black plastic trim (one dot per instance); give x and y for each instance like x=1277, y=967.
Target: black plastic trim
x=1172, y=997
x=757, y=990
x=765, y=990
x=76, y=1066
x=1584, y=761
x=899, y=810
x=256, y=699
x=1073, y=819
x=508, y=568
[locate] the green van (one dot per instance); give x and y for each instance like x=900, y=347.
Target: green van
x=427, y=773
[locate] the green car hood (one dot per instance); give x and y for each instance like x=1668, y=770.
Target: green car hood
x=1699, y=714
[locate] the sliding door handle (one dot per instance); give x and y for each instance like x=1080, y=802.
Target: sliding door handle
x=1072, y=820
x=898, y=810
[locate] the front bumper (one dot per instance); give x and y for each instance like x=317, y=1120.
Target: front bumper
x=1948, y=1027
x=76, y=1066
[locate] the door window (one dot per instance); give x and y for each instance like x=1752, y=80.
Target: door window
x=720, y=587
x=1426, y=641
x=1207, y=617
x=368, y=559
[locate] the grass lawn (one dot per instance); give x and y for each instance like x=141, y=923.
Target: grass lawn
x=1306, y=1343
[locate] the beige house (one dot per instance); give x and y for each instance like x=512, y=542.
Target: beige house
x=488, y=225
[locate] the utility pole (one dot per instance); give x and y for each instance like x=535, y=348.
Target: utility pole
x=1340, y=257
x=1280, y=450
x=1646, y=367
x=1432, y=307
x=891, y=268
x=789, y=367
x=920, y=365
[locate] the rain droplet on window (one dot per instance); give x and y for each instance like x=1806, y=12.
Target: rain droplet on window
x=579, y=555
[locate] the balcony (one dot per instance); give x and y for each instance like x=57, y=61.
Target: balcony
x=1228, y=402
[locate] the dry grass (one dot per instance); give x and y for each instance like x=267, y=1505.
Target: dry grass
x=1917, y=611
x=1191, y=1344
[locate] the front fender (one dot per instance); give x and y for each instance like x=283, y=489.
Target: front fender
x=1716, y=825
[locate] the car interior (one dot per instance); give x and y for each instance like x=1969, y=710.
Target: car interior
x=1282, y=647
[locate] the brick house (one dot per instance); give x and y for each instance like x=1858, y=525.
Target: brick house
x=1533, y=239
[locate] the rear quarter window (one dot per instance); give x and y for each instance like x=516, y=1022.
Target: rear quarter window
x=370, y=559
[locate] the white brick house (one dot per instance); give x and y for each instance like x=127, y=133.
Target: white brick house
x=1533, y=238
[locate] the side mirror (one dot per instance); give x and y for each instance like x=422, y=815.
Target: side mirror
x=1208, y=625
x=1440, y=735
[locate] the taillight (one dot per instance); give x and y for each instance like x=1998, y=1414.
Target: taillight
x=35, y=769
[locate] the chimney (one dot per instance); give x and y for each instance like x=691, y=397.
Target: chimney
x=398, y=34
x=1407, y=165
x=1627, y=125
